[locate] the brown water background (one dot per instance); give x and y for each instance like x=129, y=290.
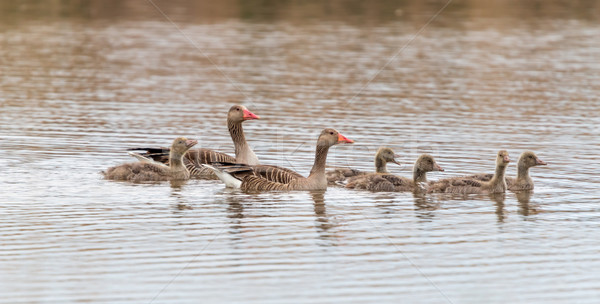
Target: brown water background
x=81, y=81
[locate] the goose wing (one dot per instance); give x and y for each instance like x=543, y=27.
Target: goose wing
x=268, y=172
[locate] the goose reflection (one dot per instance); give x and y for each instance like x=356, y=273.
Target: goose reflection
x=525, y=206
x=180, y=202
x=235, y=215
x=425, y=206
x=322, y=221
x=499, y=199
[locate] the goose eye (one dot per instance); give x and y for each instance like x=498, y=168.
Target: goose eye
x=331, y=133
x=237, y=109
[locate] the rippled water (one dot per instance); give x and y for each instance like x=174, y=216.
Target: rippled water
x=76, y=92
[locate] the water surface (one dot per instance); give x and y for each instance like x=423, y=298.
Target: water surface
x=79, y=85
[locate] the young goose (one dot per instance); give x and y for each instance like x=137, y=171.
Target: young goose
x=195, y=158
x=148, y=171
x=523, y=181
x=249, y=179
x=466, y=185
x=388, y=182
x=382, y=157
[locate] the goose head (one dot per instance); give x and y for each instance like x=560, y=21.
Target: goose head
x=181, y=145
x=239, y=113
x=426, y=163
x=528, y=159
x=330, y=137
x=503, y=159
x=387, y=155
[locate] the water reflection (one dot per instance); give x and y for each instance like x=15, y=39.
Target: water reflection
x=176, y=193
x=425, y=206
x=499, y=198
x=235, y=214
x=322, y=219
x=525, y=206
x=356, y=12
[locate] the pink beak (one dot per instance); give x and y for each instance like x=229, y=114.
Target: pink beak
x=540, y=162
x=506, y=159
x=439, y=168
x=249, y=115
x=190, y=143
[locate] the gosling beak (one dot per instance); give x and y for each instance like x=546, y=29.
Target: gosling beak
x=343, y=139
x=395, y=161
x=438, y=168
x=506, y=159
x=249, y=115
x=190, y=143
x=539, y=162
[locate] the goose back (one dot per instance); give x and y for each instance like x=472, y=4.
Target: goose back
x=379, y=182
x=268, y=172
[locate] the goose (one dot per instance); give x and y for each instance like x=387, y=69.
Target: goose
x=523, y=181
x=392, y=183
x=249, y=179
x=382, y=157
x=195, y=158
x=467, y=185
x=155, y=171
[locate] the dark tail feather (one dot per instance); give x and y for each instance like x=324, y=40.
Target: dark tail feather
x=157, y=154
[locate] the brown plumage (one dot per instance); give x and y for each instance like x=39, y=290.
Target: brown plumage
x=523, y=181
x=268, y=172
x=261, y=178
x=466, y=185
x=392, y=183
x=144, y=171
x=195, y=158
x=382, y=157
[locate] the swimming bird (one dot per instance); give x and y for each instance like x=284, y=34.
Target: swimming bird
x=466, y=185
x=195, y=158
x=248, y=179
x=382, y=157
x=154, y=171
x=393, y=183
x=523, y=181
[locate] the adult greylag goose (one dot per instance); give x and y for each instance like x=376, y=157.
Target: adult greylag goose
x=467, y=185
x=155, y=171
x=523, y=181
x=392, y=183
x=382, y=157
x=248, y=179
x=195, y=158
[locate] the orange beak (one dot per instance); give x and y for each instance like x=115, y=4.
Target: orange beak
x=249, y=115
x=343, y=139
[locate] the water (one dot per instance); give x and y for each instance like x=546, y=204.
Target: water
x=79, y=85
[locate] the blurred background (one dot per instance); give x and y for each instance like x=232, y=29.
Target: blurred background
x=82, y=81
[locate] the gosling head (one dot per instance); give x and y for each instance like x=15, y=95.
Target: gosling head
x=503, y=159
x=181, y=145
x=528, y=159
x=387, y=155
x=426, y=163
